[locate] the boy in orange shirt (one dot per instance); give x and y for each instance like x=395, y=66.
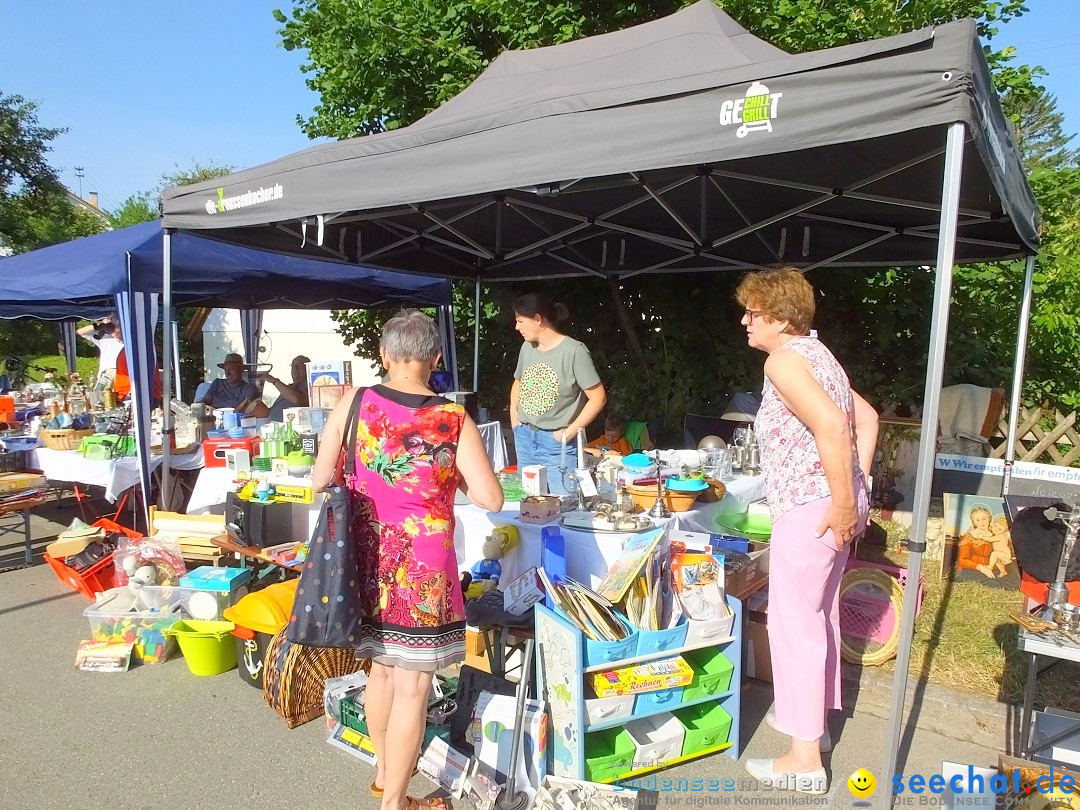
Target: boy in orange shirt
x=614, y=437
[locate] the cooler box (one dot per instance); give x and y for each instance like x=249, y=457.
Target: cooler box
x=145, y=629
x=214, y=449
x=258, y=618
x=209, y=590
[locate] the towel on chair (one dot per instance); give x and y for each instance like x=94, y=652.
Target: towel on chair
x=969, y=412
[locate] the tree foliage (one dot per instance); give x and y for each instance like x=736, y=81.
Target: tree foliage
x=383, y=64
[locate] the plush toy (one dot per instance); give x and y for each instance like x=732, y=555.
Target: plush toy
x=486, y=572
x=132, y=597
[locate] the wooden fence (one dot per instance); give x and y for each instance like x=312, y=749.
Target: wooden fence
x=1044, y=436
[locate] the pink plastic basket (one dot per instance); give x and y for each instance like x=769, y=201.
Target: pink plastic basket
x=869, y=616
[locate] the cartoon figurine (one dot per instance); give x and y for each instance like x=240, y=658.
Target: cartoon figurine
x=486, y=572
x=264, y=491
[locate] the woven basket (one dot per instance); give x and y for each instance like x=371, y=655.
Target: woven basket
x=295, y=676
x=68, y=439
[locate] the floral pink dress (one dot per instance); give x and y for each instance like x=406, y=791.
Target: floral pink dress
x=403, y=519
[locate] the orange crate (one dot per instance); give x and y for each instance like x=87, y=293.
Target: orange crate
x=101, y=575
x=97, y=578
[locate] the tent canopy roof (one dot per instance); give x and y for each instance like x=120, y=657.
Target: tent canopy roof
x=89, y=273
x=677, y=145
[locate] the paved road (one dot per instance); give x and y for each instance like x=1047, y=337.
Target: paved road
x=160, y=737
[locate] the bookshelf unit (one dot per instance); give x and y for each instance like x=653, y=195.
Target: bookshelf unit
x=598, y=750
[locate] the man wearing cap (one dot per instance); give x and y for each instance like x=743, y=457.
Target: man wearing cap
x=294, y=394
x=232, y=391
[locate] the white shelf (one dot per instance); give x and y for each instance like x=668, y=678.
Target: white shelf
x=641, y=659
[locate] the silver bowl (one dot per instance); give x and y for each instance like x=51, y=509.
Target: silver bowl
x=1067, y=618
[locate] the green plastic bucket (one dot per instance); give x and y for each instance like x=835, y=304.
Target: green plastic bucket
x=207, y=646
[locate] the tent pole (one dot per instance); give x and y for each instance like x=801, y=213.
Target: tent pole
x=167, y=431
x=476, y=341
x=1018, y=373
x=935, y=366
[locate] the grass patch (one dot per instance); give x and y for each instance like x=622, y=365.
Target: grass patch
x=965, y=639
x=86, y=366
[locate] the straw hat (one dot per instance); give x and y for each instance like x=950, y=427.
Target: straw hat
x=231, y=357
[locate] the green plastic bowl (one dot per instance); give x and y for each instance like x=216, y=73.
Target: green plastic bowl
x=753, y=527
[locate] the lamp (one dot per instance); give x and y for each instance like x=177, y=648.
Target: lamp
x=743, y=407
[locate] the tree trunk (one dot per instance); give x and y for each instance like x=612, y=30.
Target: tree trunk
x=627, y=324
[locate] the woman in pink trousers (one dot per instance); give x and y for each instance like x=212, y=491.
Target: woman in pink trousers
x=816, y=438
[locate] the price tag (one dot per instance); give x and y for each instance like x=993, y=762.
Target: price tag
x=585, y=479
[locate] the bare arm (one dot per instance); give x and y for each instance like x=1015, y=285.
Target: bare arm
x=595, y=399
x=478, y=480
x=85, y=331
x=866, y=432
x=326, y=472
x=803, y=395
x=291, y=393
x=515, y=394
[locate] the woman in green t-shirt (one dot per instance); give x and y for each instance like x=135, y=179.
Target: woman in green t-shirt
x=556, y=389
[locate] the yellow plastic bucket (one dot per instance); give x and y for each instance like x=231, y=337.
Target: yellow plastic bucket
x=207, y=646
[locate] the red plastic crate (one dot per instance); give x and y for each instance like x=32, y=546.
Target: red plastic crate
x=101, y=575
x=95, y=579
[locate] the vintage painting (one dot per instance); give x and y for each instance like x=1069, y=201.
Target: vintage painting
x=978, y=529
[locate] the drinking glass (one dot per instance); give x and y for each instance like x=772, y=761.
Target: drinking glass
x=742, y=436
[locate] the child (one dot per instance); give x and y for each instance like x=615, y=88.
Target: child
x=613, y=438
x=1002, y=554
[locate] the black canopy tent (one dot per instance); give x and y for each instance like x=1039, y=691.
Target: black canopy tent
x=682, y=145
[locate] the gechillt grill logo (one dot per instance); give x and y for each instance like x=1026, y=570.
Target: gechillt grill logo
x=249, y=198
x=755, y=111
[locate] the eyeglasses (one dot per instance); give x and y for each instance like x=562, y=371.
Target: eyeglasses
x=750, y=314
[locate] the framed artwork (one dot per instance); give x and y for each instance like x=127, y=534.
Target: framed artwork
x=978, y=529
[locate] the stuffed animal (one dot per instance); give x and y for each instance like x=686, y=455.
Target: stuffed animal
x=132, y=597
x=486, y=572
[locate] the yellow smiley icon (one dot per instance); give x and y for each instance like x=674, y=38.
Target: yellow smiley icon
x=861, y=784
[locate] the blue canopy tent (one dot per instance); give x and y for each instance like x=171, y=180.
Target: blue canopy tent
x=122, y=270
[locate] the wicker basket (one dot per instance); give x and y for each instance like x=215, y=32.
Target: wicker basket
x=68, y=439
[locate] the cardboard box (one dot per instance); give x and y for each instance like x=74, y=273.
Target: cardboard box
x=329, y=372
x=668, y=673
x=327, y=396
x=13, y=482
x=444, y=766
x=534, y=479
x=523, y=593
x=539, y=509
x=287, y=493
x=758, y=657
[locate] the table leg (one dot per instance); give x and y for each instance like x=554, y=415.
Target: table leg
x=29, y=541
x=1029, y=699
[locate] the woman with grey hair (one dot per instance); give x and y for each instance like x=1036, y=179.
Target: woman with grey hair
x=413, y=450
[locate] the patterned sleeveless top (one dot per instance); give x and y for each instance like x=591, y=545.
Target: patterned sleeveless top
x=789, y=455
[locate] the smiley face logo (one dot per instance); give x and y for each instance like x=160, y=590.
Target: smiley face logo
x=862, y=784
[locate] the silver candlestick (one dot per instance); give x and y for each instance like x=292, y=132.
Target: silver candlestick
x=659, y=510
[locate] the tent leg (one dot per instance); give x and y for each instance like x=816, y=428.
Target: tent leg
x=1018, y=373
x=167, y=430
x=939, y=327
x=476, y=341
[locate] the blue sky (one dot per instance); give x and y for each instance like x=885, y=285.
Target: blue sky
x=144, y=86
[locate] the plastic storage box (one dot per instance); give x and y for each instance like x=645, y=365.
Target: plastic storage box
x=99, y=577
x=208, y=590
x=145, y=629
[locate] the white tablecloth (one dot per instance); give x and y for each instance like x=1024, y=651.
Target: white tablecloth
x=494, y=443
x=589, y=555
x=215, y=483
x=114, y=476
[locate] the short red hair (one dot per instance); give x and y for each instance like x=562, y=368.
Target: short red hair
x=781, y=295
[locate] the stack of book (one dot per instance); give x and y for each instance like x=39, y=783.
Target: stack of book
x=594, y=615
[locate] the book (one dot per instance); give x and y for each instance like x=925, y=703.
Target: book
x=624, y=571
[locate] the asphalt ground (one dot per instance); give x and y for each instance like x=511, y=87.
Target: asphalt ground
x=158, y=736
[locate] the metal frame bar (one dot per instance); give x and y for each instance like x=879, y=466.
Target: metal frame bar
x=166, y=374
x=1018, y=372
x=935, y=366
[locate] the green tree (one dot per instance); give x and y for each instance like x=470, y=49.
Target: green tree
x=134, y=210
x=1040, y=133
